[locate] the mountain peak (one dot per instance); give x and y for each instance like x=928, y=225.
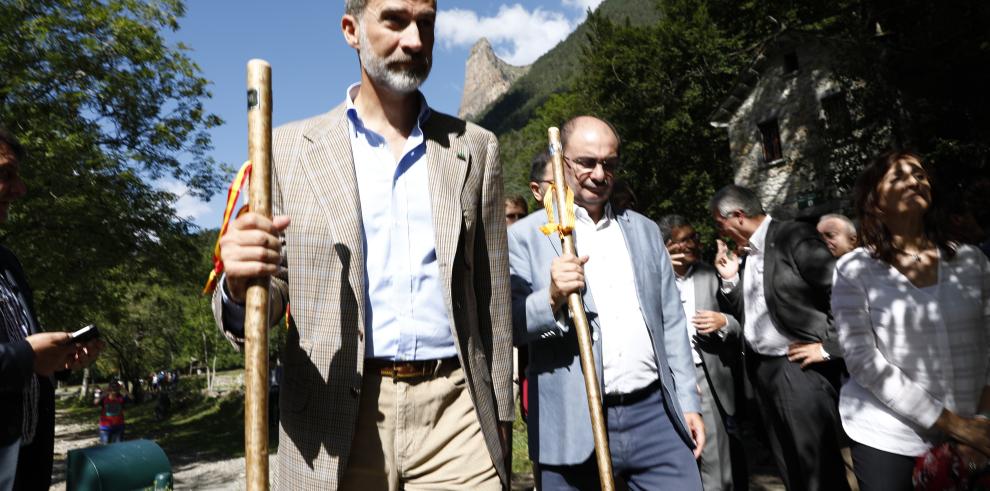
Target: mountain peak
x=486, y=78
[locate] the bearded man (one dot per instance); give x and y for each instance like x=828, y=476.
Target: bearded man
x=398, y=359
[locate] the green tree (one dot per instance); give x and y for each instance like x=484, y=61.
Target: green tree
x=106, y=107
x=658, y=84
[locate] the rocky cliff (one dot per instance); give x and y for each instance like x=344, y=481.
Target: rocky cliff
x=486, y=78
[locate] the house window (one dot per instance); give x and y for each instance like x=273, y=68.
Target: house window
x=791, y=62
x=770, y=132
x=836, y=113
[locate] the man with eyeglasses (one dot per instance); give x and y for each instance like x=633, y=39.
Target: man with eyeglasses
x=715, y=339
x=540, y=175
x=639, y=337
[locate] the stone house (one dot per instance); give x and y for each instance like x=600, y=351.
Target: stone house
x=790, y=127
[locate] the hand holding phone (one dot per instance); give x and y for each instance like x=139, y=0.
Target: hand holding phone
x=85, y=334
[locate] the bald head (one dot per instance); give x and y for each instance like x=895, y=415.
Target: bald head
x=838, y=232
x=591, y=156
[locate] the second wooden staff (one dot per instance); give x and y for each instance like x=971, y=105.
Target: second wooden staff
x=583, y=331
x=256, y=322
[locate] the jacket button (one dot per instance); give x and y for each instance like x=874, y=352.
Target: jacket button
x=594, y=336
x=355, y=392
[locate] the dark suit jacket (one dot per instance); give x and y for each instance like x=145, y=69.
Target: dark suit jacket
x=719, y=355
x=797, y=279
x=16, y=367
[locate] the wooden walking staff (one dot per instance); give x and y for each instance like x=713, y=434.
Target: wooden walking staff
x=259, y=84
x=564, y=207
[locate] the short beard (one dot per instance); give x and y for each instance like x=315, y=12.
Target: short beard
x=402, y=81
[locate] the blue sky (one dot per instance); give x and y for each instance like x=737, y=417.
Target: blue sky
x=312, y=66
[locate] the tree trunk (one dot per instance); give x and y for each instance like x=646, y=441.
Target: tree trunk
x=84, y=391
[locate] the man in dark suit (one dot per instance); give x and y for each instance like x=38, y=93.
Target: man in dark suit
x=28, y=357
x=792, y=353
x=715, y=340
x=398, y=364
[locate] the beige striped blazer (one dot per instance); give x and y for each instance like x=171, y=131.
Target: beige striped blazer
x=314, y=183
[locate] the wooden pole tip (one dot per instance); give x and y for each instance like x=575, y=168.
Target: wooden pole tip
x=258, y=63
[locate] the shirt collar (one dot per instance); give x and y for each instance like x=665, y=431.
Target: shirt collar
x=581, y=215
x=759, y=237
x=352, y=114
x=687, y=274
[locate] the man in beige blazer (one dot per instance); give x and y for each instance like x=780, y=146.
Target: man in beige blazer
x=397, y=365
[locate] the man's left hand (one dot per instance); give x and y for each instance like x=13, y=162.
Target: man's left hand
x=707, y=321
x=697, y=428
x=805, y=353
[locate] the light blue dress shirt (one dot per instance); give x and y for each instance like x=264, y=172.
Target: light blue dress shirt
x=406, y=316
x=405, y=306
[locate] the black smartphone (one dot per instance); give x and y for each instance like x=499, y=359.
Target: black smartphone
x=85, y=334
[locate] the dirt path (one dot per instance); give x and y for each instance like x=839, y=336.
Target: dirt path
x=213, y=475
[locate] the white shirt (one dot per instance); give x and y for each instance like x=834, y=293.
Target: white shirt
x=628, y=360
x=686, y=286
x=759, y=330
x=910, y=351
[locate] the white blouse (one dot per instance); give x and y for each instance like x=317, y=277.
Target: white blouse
x=911, y=351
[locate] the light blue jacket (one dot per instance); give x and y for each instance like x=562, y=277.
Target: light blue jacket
x=559, y=423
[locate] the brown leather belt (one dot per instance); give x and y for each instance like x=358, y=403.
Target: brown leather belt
x=401, y=370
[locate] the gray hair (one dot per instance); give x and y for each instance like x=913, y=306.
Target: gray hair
x=734, y=198
x=668, y=223
x=355, y=7
x=844, y=219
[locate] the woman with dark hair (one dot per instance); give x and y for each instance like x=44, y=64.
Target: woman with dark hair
x=912, y=311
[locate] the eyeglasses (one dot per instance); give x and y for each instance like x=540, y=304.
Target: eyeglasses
x=588, y=164
x=694, y=238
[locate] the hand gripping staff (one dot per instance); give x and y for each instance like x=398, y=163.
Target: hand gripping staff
x=259, y=85
x=564, y=225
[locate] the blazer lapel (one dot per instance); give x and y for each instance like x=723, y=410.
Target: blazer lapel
x=447, y=160
x=769, y=259
x=447, y=170
x=329, y=166
x=634, y=245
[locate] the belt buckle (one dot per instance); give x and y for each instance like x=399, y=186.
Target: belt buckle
x=406, y=370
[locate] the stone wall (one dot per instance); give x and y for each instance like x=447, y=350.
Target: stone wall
x=799, y=183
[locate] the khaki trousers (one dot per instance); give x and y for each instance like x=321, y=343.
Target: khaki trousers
x=418, y=434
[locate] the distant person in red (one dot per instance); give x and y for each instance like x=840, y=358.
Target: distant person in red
x=112, y=414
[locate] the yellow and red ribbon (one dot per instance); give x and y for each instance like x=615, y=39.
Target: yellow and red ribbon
x=242, y=178
x=567, y=224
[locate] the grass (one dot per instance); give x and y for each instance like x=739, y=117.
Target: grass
x=520, y=447
x=198, y=428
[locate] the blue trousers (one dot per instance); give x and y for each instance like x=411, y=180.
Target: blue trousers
x=113, y=434
x=647, y=453
x=8, y=464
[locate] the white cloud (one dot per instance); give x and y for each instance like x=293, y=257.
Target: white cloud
x=519, y=36
x=583, y=4
x=187, y=206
